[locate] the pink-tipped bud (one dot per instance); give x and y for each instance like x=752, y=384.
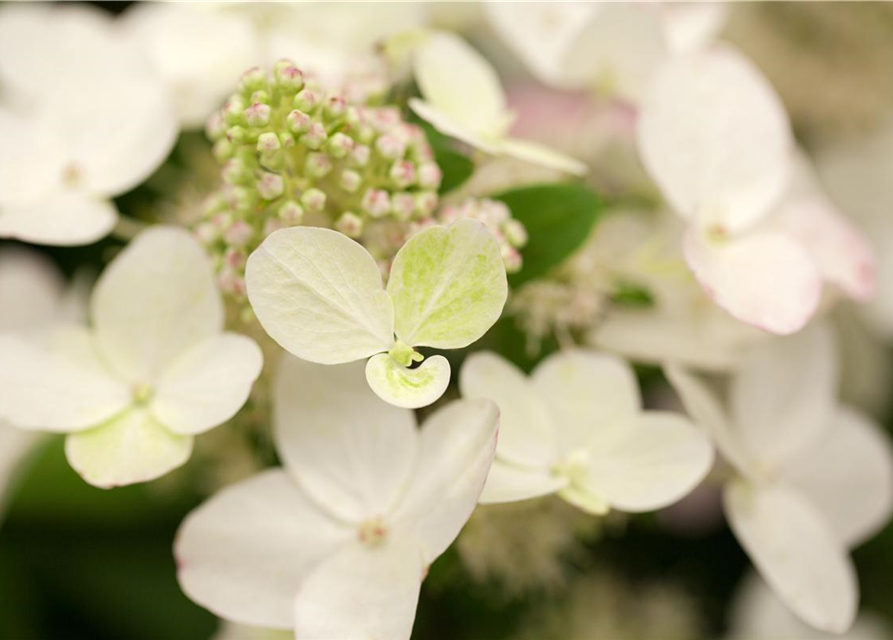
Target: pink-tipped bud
x=270, y=186
x=291, y=213
x=425, y=203
x=233, y=111
x=515, y=233
x=359, y=157
x=403, y=205
x=390, y=147
x=215, y=127
x=252, y=80
x=239, y=234
x=207, y=233
x=430, y=175
x=350, y=224
x=315, y=137
x=384, y=119
x=376, y=203
x=313, y=200
x=402, y=173
x=340, y=145
x=235, y=258
x=350, y=180
x=298, y=122
x=258, y=115
x=288, y=77
x=268, y=143
x=236, y=172
x=317, y=165
x=335, y=107
x=306, y=100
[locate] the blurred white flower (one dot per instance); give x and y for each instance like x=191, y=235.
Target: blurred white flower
x=336, y=544
x=83, y=120
x=813, y=478
x=758, y=614
x=463, y=98
x=614, y=47
x=319, y=294
x=198, y=53
x=234, y=631
x=155, y=369
x=576, y=427
x=761, y=238
x=681, y=324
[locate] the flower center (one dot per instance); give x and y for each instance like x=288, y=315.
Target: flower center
x=141, y=393
x=574, y=467
x=372, y=532
x=404, y=355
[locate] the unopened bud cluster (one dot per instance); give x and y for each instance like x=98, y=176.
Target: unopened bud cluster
x=497, y=217
x=294, y=153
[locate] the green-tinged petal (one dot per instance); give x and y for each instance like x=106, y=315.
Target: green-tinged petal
x=583, y=498
x=448, y=286
x=404, y=387
x=319, y=295
x=133, y=447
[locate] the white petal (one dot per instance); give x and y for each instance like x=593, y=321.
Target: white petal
x=350, y=451
x=30, y=289
x=43, y=388
x=460, y=83
x=198, y=53
x=526, y=429
x=658, y=459
x=693, y=26
x=509, y=483
x=245, y=552
x=703, y=405
x=362, y=593
x=542, y=156
x=715, y=137
x=457, y=447
x=153, y=302
x=448, y=126
x=132, y=447
x=404, y=387
x=16, y=445
x=206, y=385
x=796, y=552
x=848, y=475
x=116, y=141
x=618, y=51
x=765, y=279
x=319, y=295
x=586, y=392
x=32, y=162
x=840, y=250
x=582, y=496
x=448, y=285
x=539, y=33
x=783, y=396
x=63, y=218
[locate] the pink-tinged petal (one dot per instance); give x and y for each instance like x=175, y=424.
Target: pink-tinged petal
x=841, y=251
x=764, y=278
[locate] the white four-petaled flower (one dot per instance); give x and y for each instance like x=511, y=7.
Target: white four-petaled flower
x=761, y=236
x=155, y=369
x=462, y=98
x=813, y=478
x=319, y=294
x=576, y=427
x=336, y=544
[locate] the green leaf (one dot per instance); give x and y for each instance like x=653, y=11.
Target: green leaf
x=558, y=218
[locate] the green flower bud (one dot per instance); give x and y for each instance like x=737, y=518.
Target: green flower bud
x=270, y=186
x=306, y=100
x=288, y=77
x=252, y=80
x=350, y=224
x=298, y=122
x=315, y=137
x=313, y=200
x=291, y=212
x=258, y=115
x=350, y=180
x=339, y=145
x=317, y=165
x=223, y=150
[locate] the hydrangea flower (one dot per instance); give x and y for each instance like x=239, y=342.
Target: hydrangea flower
x=813, y=477
x=613, y=47
x=758, y=614
x=319, y=295
x=195, y=51
x=337, y=543
x=107, y=124
x=715, y=137
x=576, y=427
x=462, y=98
x=155, y=369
